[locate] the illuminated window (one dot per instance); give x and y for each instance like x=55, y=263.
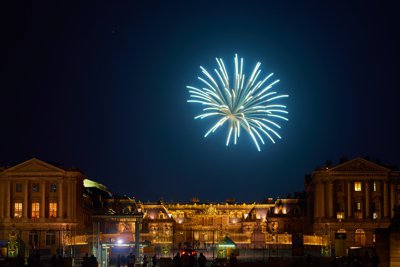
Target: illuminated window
x=50, y=238
x=375, y=187
x=357, y=186
x=340, y=215
x=35, y=187
x=53, y=187
x=52, y=209
x=18, y=188
x=17, y=210
x=35, y=210
x=358, y=206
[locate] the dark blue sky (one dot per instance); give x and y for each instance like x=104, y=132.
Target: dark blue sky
x=101, y=86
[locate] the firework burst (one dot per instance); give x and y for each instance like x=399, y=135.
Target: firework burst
x=247, y=104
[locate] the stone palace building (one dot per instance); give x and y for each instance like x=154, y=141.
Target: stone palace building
x=49, y=209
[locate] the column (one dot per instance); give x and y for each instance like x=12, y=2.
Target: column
x=385, y=199
x=26, y=196
x=42, y=199
x=74, y=199
x=315, y=202
x=1, y=200
x=367, y=197
x=392, y=200
x=69, y=199
x=137, y=237
x=60, y=200
x=8, y=199
x=330, y=201
x=349, y=211
x=323, y=202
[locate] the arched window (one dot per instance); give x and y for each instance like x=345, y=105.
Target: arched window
x=359, y=238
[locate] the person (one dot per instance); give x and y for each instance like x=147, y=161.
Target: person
x=232, y=260
x=186, y=260
x=119, y=260
x=123, y=260
x=131, y=260
x=144, y=261
x=154, y=260
x=176, y=261
x=93, y=261
x=202, y=260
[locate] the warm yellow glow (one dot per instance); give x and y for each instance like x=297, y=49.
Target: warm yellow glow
x=340, y=215
x=374, y=187
x=17, y=210
x=35, y=210
x=53, y=209
x=357, y=186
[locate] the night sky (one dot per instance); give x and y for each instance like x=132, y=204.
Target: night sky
x=102, y=86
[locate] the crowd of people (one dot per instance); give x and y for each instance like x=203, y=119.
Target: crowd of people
x=89, y=261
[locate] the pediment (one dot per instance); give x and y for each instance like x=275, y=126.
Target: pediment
x=359, y=165
x=33, y=166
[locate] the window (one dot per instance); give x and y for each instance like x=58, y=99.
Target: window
x=340, y=215
x=53, y=187
x=18, y=187
x=33, y=238
x=35, y=210
x=359, y=237
x=35, y=187
x=357, y=186
x=358, y=213
x=50, y=238
x=17, y=210
x=375, y=186
x=339, y=187
x=53, y=210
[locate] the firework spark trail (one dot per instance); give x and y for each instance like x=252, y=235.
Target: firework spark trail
x=242, y=104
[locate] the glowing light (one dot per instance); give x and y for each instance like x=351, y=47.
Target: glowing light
x=243, y=104
x=119, y=241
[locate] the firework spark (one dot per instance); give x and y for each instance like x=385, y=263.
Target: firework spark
x=250, y=104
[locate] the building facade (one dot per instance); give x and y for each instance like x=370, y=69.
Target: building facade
x=42, y=204
x=50, y=209
x=248, y=225
x=353, y=198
